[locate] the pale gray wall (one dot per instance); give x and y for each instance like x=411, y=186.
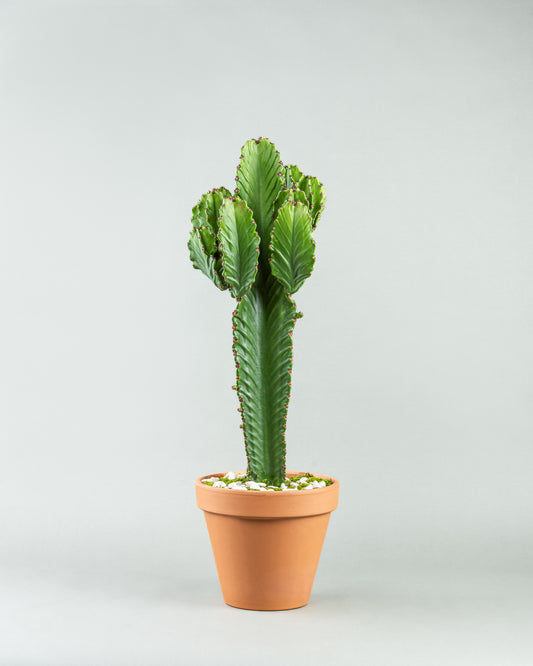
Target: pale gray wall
x=413, y=363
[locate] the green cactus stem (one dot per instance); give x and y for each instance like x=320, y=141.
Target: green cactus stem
x=258, y=244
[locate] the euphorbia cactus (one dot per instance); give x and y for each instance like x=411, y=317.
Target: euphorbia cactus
x=258, y=243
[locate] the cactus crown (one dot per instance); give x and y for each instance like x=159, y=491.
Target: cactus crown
x=258, y=243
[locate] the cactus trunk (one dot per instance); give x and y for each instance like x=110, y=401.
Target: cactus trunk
x=263, y=324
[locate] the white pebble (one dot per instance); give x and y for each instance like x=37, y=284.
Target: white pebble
x=263, y=489
x=253, y=485
x=303, y=479
x=236, y=484
x=230, y=476
x=218, y=484
x=321, y=484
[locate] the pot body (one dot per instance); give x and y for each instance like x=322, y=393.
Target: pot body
x=267, y=544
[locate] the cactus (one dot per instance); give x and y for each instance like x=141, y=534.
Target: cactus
x=258, y=243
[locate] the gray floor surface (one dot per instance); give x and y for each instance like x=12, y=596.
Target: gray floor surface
x=379, y=618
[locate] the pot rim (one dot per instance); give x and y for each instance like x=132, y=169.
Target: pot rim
x=246, y=504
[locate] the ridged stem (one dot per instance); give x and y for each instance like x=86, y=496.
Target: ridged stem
x=263, y=323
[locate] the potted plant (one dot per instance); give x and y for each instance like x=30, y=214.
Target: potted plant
x=266, y=525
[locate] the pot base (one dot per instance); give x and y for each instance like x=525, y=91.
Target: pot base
x=263, y=609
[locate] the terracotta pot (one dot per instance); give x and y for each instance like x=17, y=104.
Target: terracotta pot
x=267, y=545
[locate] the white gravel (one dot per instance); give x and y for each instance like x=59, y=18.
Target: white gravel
x=233, y=481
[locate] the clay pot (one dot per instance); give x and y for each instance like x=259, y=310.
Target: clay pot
x=267, y=544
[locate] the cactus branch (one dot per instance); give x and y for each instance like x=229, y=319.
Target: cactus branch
x=202, y=259
x=293, y=247
x=316, y=196
x=239, y=245
x=259, y=183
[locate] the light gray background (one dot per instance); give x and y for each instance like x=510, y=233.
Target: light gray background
x=413, y=362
